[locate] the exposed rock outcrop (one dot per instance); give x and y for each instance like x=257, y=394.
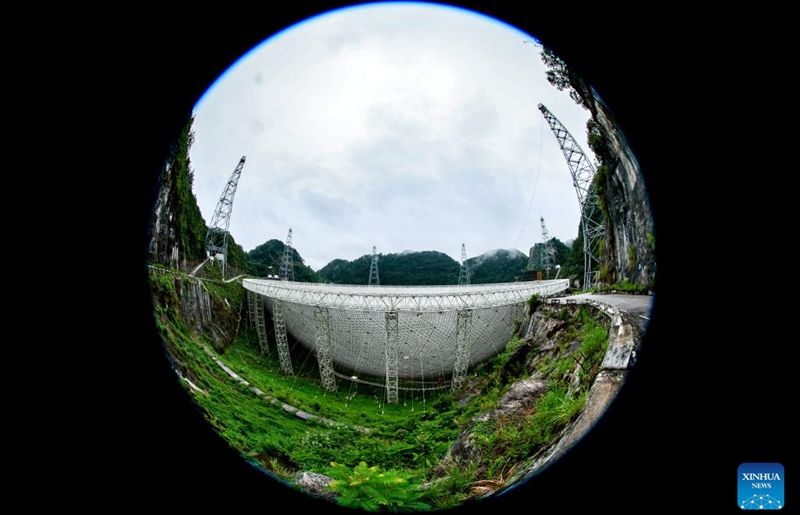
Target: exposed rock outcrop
x=630, y=235
x=628, y=252
x=543, y=330
x=195, y=303
x=316, y=485
x=520, y=398
x=517, y=403
x=550, y=341
x=163, y=235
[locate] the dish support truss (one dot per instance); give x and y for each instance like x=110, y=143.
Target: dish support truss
x=409, y=336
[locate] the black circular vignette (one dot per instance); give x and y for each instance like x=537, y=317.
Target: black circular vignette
x=650, y=434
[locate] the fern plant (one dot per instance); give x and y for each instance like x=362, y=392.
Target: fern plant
x=373, y=489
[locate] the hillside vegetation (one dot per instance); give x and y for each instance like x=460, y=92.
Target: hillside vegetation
x=411, y=441
x=433, y=449
x=428, y=268
x=266, y=260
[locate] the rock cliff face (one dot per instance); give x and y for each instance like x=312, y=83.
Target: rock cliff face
x=214, y=314
x=629, y=251
x=195, y=305
x=164, y=242
x=177, y=233
x=201, y=312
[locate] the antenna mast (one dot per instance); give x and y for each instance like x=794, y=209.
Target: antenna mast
x=217, y=235
x=544, y=253
x=373, y=270
x=463, y=275
x=287, y=265
x=583, y=173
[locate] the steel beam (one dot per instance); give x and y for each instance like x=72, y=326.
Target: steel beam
x=417, y=299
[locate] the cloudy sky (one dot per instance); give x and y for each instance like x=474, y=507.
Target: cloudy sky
x=399, y=126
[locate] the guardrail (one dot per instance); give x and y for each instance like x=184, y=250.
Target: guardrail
x=621, y=352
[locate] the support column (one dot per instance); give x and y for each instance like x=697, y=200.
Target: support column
x=463, y=329
x=252, y=304
x=261, y=324
x=322, y=323
x=280, y=338
x=392, y=332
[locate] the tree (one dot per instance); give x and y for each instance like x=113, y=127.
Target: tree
x=414, y=268
x=266, y=260
x=178, y=230
x=559, y=75
x=237, y=257
x=502, y=266
x=190, y=224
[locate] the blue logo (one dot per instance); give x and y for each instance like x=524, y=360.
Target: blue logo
x=760, y=486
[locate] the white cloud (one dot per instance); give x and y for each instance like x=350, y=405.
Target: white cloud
x=400, y=126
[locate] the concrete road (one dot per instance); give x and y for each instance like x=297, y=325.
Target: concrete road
x=635, y=309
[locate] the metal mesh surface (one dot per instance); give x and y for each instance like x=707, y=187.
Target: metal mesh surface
x=426, y=327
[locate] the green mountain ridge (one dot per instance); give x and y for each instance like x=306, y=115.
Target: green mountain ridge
x=178, y=234
x=428, y=267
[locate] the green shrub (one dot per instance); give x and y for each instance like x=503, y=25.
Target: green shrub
x=453, y=489
x=632, y=256
x=557, y=408
x=373, y=489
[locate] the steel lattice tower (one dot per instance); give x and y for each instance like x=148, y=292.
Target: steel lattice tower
x=287, y=265
x=217, y=235
x=281, y=340
x=544, y=253
x=374, y=279
x=392, y=337
x=583, y=173
x=463, y=275
x=322, y=323
x=463, y=330
x=261, y=328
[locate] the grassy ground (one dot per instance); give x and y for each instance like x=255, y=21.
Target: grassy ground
x=384, y=466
